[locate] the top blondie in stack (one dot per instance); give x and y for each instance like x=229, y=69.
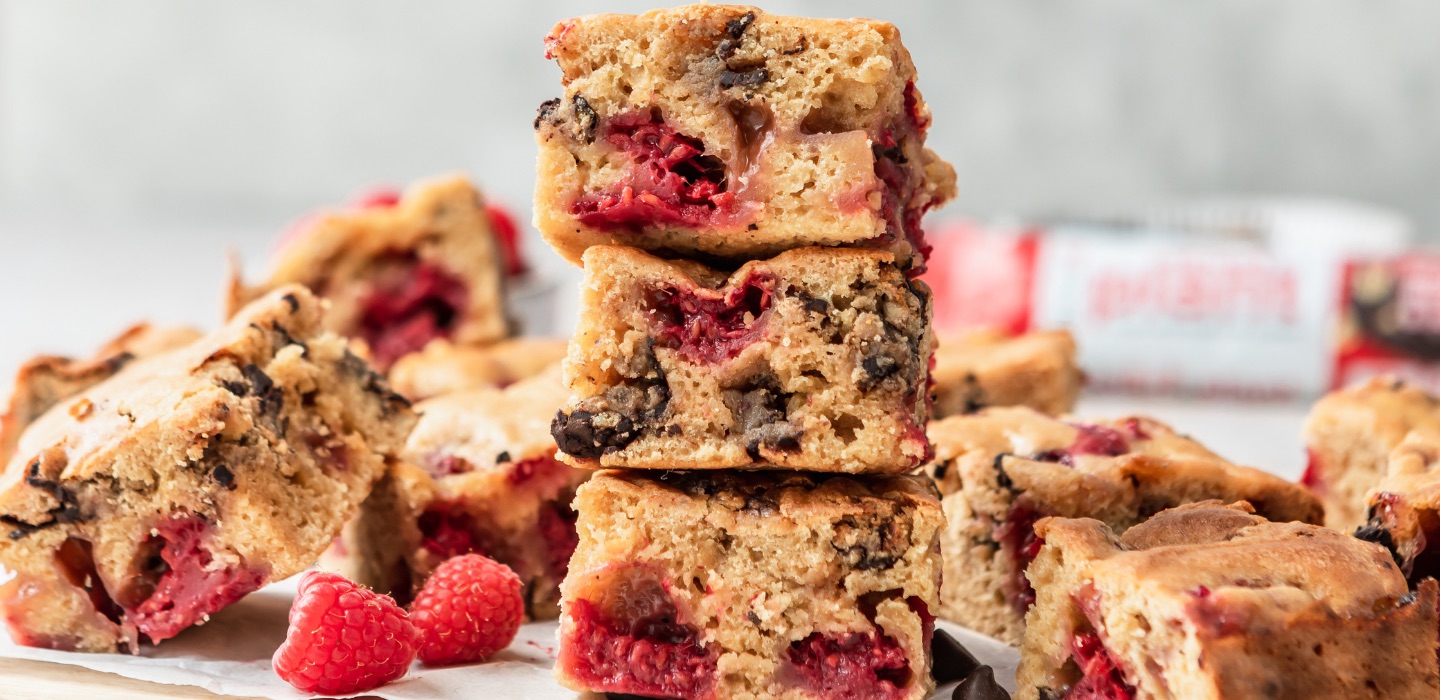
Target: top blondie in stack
x=751, y=364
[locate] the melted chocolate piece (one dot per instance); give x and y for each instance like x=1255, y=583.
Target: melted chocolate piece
x=980, y=685
x=953, y=661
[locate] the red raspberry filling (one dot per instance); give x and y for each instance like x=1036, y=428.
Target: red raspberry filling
x=1091, y=440
x=706, y=326
x=1216, y=618
x=507, y=235
x=1100, y=676
x=632, y=641
x=448, y=531
x=897, y=191
x=536, y=470
x=854, y=665
x=178, y=587
x=557, y=529
x=411, y=302
x=1313, y=478
x=76, y=562
x=1018, y=541
x=671, y=182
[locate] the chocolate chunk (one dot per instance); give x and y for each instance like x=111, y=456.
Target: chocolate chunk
x=816, y=306
x=224, y=477
x=272, y=397
x=872, y=544
x=19, y=528
x=941, y=469
x=746, y=78
x=980, y=685
x=877, y=368
x=586, y=118
x=953, y=661
x=760, y=414
x=546, y=111
x=293, y=303
x=503, y=457
x=68, y=508
x=735, y=27
x=284, y=334
x=1001, y=478
x=1375, y=531
x=604, y=424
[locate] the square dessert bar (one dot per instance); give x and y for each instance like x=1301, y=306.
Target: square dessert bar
x=478, y=474
x=1348, y=438
x=399, y=271
x=1002, y=469
x=149, y=501
x=987, y=368
x=814, y=360
x=751, y=585
x=720, y=131
x=46, y=380
x=443, y=367
x=1209, y=602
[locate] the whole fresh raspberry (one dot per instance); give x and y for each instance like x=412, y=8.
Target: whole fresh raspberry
x=344, y=638
x=468, y=610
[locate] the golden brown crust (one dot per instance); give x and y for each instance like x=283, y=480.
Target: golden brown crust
x=340, y=255
x=1001, y=464
x=787, y=107
x=988, y=368
x=1349, y=435
x=1231, y=606
x=44, y=381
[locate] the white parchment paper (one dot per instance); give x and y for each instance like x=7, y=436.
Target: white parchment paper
x=230, y=655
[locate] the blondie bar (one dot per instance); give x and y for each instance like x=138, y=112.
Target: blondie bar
x=814, y=360
x=1002, y=469
x=443, y=367
x=399, y=271
x=479, y=475
x=46, y=380
x=149, y=501
x=720, y=131
x=1209, y=602
x=986, y=368
x=751, y=585
x=1349, y=435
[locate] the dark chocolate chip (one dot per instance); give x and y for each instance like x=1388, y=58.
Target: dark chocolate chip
x=753, y=227
x=502, y=458
x=1375, y=531
x=284, y=334
x=224, y=477
x=272, y=397
x=546, y=111
x=980, y=685
x=746, y=78
x=68, y=510
x=941, y=469
x=1001, y=478
x=19, y=528
x=752, y=617
x=292, y=301
x=816, y=306
x=953, y=661
x=586, y=117
x=735, y=27
x=804, y=44
x=974, y=395
x=878, y=368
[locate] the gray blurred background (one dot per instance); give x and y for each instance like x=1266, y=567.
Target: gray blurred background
x=139, y=139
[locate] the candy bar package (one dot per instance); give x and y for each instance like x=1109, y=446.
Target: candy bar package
x=1253, y=301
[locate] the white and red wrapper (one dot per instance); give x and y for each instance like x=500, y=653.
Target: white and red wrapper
x=1266, y=317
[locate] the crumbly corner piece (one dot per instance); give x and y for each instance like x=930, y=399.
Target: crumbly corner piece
x=399, y=271
x=1348, y=438
x=479, y=475
x=1002, y=469
x=159, y=496
x=990, y=368
x=720, y=131
x=813, y=360
x=1208, y=602
x=46, y=380
x=751, y=585
x=443, y=367
x=1404, y=508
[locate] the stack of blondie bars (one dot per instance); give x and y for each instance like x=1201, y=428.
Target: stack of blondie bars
x=750, y=370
